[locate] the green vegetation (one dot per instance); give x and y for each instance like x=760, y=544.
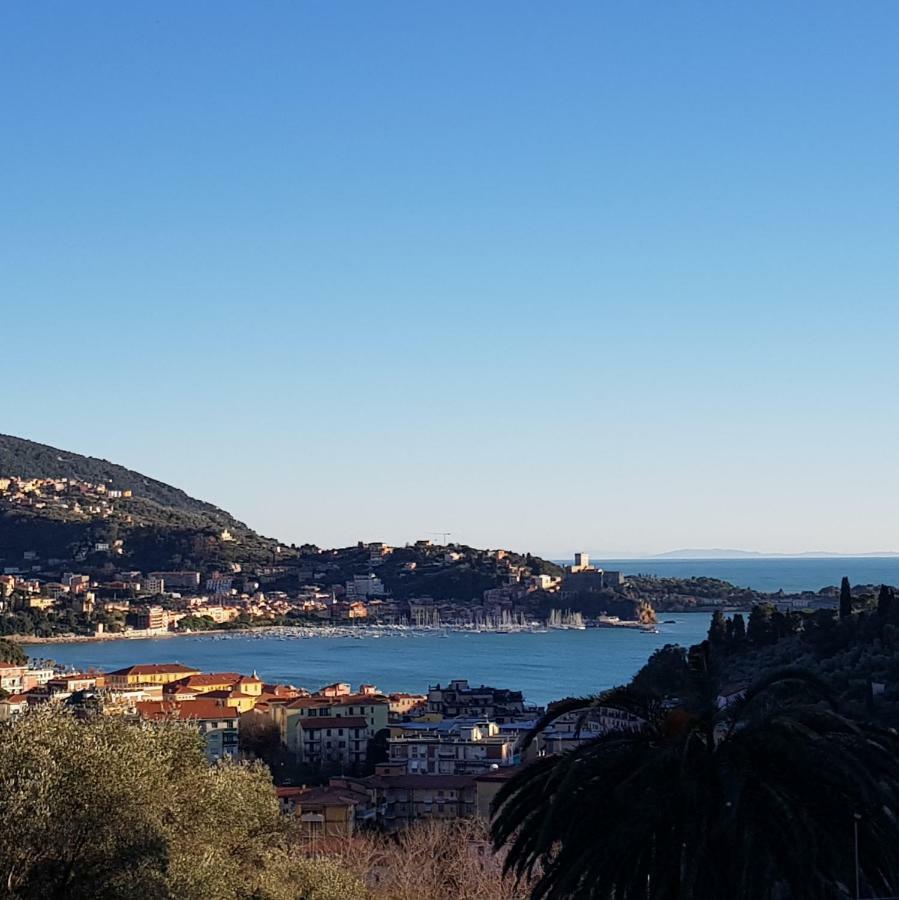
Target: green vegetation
x=759, y=752
x=103, y=809
x=161, y=526
x=27, y=459
x=856, y=656
x=665, y=593
x=424, y=571
x=845, y=599
x=756, y=799
x=100, y=809
x=50, y=623
x=11, y=652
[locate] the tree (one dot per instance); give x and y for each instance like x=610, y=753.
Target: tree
x=665, y=670
x=11, y=652
x=431, y=860
x=739, y=628
x=105, y=809
x=845, y=598
x=718, y=628
x=884, y=602
x=760, y=629
x=754, y=800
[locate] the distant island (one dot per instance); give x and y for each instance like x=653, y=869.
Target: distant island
x=755, y=554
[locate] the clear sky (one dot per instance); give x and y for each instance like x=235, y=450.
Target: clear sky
x=621, y=277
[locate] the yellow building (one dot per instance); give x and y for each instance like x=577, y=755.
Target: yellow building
x=306, y=725
x=402, y=704
x=162, y=673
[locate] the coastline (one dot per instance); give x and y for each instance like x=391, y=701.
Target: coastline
x=103, y=638
x=300, y=631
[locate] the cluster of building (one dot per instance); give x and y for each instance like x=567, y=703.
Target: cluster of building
x=155, y=602
x=304, y=589
x=77, y=497
x=393, y=758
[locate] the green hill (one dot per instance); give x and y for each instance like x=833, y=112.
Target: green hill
x=160, y=526
x=27, y=459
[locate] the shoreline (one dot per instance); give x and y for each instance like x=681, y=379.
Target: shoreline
x=300, y=631
x=103, y=638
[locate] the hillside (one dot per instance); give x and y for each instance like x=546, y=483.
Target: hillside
x=27, y=459
x=60, y=511
x=102, y=503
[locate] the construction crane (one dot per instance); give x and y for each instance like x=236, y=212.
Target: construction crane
x=443, y=534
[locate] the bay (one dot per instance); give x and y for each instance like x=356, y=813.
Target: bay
x=545, y=666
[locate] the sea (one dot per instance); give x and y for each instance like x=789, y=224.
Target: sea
x=768, y=574
x=545, y=666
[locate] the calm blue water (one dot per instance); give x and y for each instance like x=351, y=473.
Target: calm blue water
x=545, y=666
x=771, y=575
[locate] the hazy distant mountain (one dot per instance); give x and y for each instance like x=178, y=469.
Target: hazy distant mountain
x=706, y=554
x=754, y=554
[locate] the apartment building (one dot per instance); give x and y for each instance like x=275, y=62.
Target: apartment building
x=331, y=729
x=400, y=800
x=458, y=698
x=456, y=747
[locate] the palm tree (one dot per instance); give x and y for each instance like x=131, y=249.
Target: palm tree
x=753, y=800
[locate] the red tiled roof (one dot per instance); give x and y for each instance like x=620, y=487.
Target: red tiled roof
x=232, y=693
x=321, y=796
x=315, y=702
x=284, y=690
x=355, y=699
x=284, y=792
x=192, y=709
x=155, y=669
x=310, y=702
x=315, y=722
x=328, y=796
x=205, y=679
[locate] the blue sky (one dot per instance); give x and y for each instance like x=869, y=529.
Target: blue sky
x=619, y=277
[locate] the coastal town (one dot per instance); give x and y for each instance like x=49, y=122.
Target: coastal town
x=121, y=555
x=341, y=757
x=91, y=592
